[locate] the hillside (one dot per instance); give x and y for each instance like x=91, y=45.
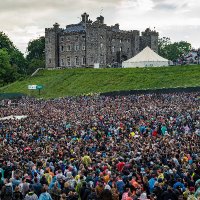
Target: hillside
x=71, y=82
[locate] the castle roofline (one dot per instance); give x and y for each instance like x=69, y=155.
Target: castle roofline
x=72, y=28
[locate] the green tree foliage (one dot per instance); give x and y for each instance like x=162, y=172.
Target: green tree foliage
x=7, y=72
x=172, y=51
x=5, y=42
x=36, y=54
x=17, y=59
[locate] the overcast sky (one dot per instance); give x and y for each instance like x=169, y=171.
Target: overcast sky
x=23, y=20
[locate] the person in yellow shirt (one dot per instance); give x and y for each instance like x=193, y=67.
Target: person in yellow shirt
x=86, y=160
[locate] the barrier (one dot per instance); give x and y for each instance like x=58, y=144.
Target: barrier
x=11, y=96
x=153, y=91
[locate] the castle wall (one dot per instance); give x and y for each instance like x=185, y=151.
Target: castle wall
x=51, y=46
x=99, y=43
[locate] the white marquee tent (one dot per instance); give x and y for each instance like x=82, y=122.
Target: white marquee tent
x=146, y=58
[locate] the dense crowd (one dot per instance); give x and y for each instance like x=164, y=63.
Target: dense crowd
x=135, y=147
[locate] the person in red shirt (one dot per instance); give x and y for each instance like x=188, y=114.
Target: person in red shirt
x=120, y=166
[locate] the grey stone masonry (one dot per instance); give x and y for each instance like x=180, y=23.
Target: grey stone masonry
x=86, y=43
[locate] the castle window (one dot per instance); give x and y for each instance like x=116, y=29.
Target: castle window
x=91, y=59
x=76, y=60
x=113, y=49
x=61, y=39
x=83, y=47
x=102, y=59
x=120, y=49
x=128, y=40
x=62, y=48
x=68, y=61
x=69, y=48
x=62, y=62
x=83, y=60
x=49, y=60
x=76, y=47
x=120, y=40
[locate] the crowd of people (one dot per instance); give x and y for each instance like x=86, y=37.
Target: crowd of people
x=135, y=147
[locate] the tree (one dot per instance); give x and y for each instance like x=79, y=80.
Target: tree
x=19, y=62
x=5, y=42
x=162, y=44
x=172, y=51
x=7, y=72
x=17, y=59
x=36, y=54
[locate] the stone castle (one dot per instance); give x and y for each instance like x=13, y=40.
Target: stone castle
x=87, y=43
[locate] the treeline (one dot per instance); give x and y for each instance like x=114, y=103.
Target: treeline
x=14, y=65
x=173, y=50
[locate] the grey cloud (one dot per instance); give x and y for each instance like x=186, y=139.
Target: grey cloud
x=164, y=6
x=169, y=5
x=24, y=20
x=185, y=33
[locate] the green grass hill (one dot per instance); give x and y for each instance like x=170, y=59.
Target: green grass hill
x=72, y=82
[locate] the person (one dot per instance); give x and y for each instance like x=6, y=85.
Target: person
x=57, y=133
x=120, y=186
x=84, y=191
x=37, y=186
x=169, y=194
x=17, y=195
x=55, y=191
x=31, y=195
x=99, y=189
x=1, y=181
x=7, y=191
x=114, y=191
x=45, y=195
x=24, y=186
x=106, y=195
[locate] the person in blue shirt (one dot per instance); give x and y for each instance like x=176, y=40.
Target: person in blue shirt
x=45, y=195
x=178, y=184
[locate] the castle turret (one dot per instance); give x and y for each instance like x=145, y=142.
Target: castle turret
x=149, y=38
x=85, y=17
x=51, y=46
x=100, y=19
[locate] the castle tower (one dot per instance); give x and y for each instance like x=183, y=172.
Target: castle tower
x=85, y=17
x=51, y=46
x=149, y=38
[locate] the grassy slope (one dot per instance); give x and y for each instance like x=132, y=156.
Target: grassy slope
x=59, y=83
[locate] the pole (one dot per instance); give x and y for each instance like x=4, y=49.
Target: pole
x=85, y=40
x=198, y=55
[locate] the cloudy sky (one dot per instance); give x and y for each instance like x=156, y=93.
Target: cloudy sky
x=23, y=20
